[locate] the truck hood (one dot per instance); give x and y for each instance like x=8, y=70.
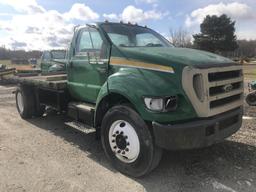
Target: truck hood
x=173, y=56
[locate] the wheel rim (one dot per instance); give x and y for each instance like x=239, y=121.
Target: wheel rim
x=124, y=141
x=20, y=102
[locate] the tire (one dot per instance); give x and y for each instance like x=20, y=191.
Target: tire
x=25, y=102
x=251, y=99
x=123, y=128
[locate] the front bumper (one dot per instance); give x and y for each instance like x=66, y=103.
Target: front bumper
x=198, y=133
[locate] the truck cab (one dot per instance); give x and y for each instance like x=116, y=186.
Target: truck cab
x=142, y=94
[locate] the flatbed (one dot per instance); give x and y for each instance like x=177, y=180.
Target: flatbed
x=56, y=82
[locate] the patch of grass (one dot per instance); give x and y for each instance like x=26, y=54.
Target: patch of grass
x=250, y=72
x=17, y=66
x=5, y=62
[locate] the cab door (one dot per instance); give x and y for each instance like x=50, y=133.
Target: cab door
x=87, y=70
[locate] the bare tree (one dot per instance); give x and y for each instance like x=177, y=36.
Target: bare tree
x=180, y=37
x=246, y=48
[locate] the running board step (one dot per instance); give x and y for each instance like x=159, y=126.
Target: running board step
x=81, y=112
x=81, y=127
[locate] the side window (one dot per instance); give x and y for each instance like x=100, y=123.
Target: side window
x=96, y=40
x=85, y=43
x=91, y=43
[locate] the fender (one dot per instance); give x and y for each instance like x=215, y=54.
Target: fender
x=134, y=84
x=103, y=96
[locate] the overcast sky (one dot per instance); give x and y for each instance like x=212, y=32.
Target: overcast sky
x=46, y=24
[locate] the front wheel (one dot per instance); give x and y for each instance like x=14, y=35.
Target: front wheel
x=128, y=143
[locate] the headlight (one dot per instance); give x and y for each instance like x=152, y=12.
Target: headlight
x=161, y=104
x=154, y=104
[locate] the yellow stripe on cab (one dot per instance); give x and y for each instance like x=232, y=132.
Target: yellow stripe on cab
x=138, y=64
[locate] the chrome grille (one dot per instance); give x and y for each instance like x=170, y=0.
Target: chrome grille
x=213, y=91
x=219, y=89
x=217, y=76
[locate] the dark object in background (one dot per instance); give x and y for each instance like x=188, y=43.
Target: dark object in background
x=2, y=67
x=251, y=97
x=53, y=61
x=33, y=61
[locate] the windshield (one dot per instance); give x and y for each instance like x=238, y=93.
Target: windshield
x=58, y=54
x=124, y=35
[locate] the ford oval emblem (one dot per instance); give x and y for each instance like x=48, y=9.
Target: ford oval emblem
x=227, y=88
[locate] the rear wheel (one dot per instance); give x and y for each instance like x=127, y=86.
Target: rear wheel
x=25, y=102
x=20, y=103
x=128, y=143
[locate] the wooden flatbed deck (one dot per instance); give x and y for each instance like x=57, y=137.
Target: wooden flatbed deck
x=57, y=82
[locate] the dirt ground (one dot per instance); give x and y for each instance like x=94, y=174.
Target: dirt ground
x=45, y=155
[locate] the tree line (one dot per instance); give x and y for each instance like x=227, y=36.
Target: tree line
x=7, y=54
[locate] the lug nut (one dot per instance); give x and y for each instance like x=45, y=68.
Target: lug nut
x=119, y=151
x=113, y=141
x=122, y=124
x=127, y=143
x=125, y=137
x=126, y=149
x=114, y=147
x=117, y=132
x=123, y=152
x=121, y=132
x=114, y=135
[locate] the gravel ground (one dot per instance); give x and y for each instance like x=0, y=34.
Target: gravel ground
x=45, y=155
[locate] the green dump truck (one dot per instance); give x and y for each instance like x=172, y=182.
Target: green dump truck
x=140, y=94
x=53, y=61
